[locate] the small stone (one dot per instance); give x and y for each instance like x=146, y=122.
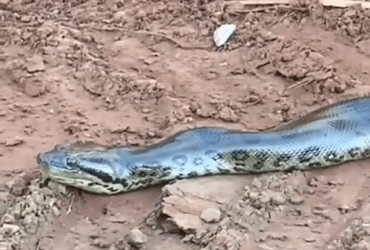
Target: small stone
x=278, y=199
x=8, y=218
x=151, y=134
x=56, y=211
x=310, y=238
x=58, y=187
x=256, y=183
x=35, y=64
x=10, y=142
x=313, y=182
x=228, y=115
x=194, y=107
x=30, y=223
x=38, y=198
x=253, y=196
x=101, y=243
x=10, y=229
x=296, y=199
x=211, y=215
x=146, y=111
x=265, y=197
x=18, y=185
x=34, y=87
x=136, y=238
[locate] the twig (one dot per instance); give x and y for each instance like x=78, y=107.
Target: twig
x=154, y=34
x=344, y=3
x=70, y=205
x=259, y=2
x=326, y=3
x=269, y=8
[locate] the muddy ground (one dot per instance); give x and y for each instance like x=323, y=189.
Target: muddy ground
x=133, y=72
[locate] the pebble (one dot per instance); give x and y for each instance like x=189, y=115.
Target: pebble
x=256, y=183
x=296, y=199
x=136, y=238
x=10, y=229
x=211, y=215
x=10, y=142
x=56, y=211
x=278, y=199
x=8, y=218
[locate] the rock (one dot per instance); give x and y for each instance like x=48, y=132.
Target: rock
x=33, y=87
x=10, y=229
x=228, y=115
x=18, y=186
x=296, y=199
x=8, y=219
x=101, y=243
x=211, y=215
x=35, y=64
x=278, y=199
x=10, y=142
x=30, y=223
x=56, y=211
x=136, y=238
x=364, y=47
x=265, y=197
x=256, y=183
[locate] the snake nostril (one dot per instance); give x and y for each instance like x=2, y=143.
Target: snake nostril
x=39, y=158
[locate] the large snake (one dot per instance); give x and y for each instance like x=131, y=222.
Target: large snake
x=325, y=137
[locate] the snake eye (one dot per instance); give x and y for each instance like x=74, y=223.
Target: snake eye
x=60, y=147
x=71, y=162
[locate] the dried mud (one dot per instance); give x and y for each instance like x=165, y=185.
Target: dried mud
x=134, y=72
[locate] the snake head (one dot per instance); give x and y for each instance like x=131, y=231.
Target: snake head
x=60, y=160
x=88, y=168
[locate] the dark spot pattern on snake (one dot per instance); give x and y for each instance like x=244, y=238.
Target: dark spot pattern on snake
x=296, y=135
x=365, y=153
x=332, y=156
x=341, y=124
x=210, y=152
x=251, y=139
x=314, y=164
x=262, y=155
x=258, y=165
x=192, y=174
x=281, y=159
x=180, y=160
x=210, y=137
x=308, y=153
x=354, y=152
x=240, y=155
x=198, y=161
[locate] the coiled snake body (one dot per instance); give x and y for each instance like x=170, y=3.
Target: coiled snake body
x=328, y=136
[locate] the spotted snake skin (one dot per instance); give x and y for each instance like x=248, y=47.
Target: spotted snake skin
x=326, y=137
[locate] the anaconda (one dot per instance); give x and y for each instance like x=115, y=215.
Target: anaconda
x=329, y=136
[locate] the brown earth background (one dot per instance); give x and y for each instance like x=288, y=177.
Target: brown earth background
x=132, y=72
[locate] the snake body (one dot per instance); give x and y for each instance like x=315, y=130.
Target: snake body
x=329, y=136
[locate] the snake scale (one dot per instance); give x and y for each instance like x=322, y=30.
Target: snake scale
x=328, y=136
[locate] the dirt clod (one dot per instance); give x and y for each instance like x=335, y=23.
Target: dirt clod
x=211, y=215
x=137, y=238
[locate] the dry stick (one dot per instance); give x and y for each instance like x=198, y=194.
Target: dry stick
x=259, y=2
x=119, y=29
x=70, y=205
x=326, y=3
x=344, y=3
x=269, y=8
x=154, y=34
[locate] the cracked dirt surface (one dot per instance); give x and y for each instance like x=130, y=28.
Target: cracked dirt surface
x=134, y=72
